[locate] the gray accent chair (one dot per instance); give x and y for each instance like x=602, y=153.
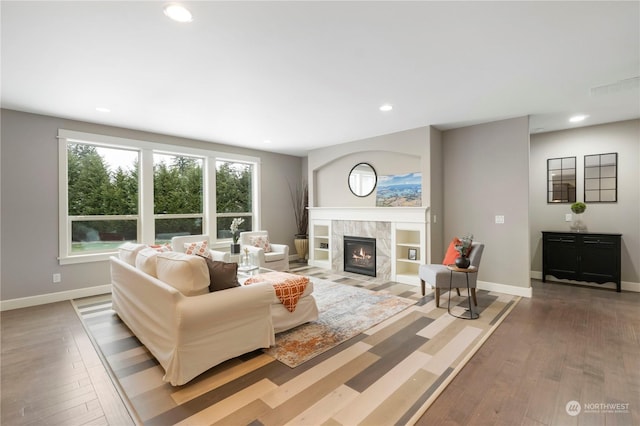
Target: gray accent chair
x=438, y=275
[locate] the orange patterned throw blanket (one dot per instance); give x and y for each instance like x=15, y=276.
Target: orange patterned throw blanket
x=288, y=287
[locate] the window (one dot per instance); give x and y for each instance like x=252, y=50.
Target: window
x=102, y=197
x=234, y=181
x=114, y=190
x=177, y=196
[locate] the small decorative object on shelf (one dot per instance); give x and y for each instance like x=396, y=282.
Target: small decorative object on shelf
x=464, y=248
x=413, y=254
x=324, y=245
x=235, y=233
x=578, y=225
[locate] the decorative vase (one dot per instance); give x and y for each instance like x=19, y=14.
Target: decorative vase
x=302, y=247
x=235, y=248
x=578, y=225
x=463, y=262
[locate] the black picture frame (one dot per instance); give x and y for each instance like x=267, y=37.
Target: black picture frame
x=413, y=254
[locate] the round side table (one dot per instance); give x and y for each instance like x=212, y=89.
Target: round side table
x=470, y=270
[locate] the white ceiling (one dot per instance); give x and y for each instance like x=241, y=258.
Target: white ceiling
x=312, y=74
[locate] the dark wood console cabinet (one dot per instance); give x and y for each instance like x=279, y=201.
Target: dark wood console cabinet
x=584, y=256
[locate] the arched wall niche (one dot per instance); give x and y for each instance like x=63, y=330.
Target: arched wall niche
x=330, y=180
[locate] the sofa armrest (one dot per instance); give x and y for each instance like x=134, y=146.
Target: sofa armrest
x=280, y=248
x=222, y=256
x=257, y=252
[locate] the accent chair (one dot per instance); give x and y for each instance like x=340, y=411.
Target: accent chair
x=438, y=275
x=267, y=255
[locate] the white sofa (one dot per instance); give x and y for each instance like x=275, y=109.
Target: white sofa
x=277, y=259
x=164, y=299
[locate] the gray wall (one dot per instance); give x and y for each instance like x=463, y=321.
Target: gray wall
x=29, y=201
x=621, y=217
x=486, y=174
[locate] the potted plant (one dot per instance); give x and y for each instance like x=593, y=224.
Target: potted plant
x=578, y=225
x=464, y=247
x=300, y=202
x=235, y=234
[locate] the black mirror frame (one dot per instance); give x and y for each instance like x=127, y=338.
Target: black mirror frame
x=375, y=183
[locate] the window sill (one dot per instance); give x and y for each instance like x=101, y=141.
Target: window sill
x=86, y=258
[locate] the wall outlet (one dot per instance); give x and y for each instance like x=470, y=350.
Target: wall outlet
x=500, y=219
x=567, y=217
x=435, y=219
x=57, y=278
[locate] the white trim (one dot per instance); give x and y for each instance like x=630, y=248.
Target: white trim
x=624, y=285
x=43, y=299
x=504, y=288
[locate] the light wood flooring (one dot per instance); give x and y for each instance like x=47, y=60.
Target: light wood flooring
x=567, y=343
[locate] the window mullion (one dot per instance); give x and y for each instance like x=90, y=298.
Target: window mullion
x=146, y=223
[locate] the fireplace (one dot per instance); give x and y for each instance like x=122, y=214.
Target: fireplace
x=360, y=255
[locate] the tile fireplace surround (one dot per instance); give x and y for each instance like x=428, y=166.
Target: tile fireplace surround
x=388, y=225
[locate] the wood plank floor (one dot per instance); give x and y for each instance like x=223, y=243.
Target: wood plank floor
x=567, y=343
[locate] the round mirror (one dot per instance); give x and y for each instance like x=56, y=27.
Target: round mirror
x=362, y=179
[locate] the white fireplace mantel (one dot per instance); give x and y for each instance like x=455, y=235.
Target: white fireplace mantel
x=373, y=214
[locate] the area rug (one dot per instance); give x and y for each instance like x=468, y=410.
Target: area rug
x=345, y=311
x=388, y=374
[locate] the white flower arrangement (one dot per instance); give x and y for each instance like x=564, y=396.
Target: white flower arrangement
x=234, y=229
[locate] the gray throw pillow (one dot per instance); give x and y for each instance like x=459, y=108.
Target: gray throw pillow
x=222, y=275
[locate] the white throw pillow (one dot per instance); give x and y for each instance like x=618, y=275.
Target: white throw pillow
x=261, y=241
x=146, y=261
x=200, y=248
x=128, y=252
x=186, y=273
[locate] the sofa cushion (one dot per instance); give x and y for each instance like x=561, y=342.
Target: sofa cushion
x=200, y=248
x=222, y=275
x=261, y=241
x=186, y=273
x=128, y=252
x=146, y=261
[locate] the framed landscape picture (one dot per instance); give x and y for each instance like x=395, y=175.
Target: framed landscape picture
x=399, y=190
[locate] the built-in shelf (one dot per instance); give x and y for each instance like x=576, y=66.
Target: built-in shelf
x=320, y=237
x=408, y=241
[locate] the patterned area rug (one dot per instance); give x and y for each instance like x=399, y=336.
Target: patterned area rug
x=345, y=311
x=388, y=374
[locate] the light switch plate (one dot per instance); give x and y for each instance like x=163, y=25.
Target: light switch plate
x=567, y=217
x=499, y=219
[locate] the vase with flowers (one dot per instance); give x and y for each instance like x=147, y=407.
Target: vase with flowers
x=464, y=248
x=235, y=234
x=578, y=225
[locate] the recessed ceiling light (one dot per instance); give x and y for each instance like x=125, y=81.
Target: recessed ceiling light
x=267, y=141
x=386, y=107
x=577, y=118
x=178, y=13
x=102, y=109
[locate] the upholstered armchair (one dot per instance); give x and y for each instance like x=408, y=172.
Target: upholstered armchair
x=177, y=244
x=267, y=255
x=438, y=275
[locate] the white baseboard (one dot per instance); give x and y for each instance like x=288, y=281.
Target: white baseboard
x=43, y=299
x=504, y=288
x=624, y=285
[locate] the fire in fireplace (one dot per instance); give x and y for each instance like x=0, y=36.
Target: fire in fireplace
x=360, y=255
